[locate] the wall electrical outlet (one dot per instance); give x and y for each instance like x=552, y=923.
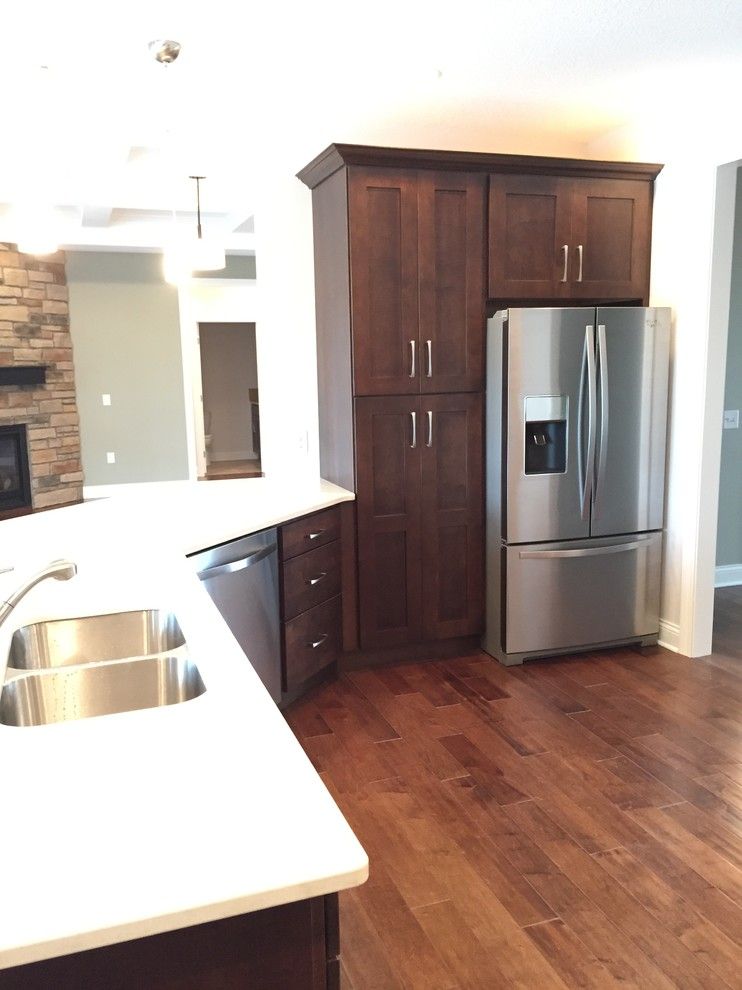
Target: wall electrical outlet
x=106, y=399
x=302, y=442
x=731, y=419
x=110, y=457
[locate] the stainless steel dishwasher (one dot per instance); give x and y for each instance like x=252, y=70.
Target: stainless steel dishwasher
x=241, y=578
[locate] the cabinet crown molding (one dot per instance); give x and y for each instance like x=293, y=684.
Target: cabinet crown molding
x=338, y=155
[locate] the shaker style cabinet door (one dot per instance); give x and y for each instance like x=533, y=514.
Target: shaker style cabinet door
x=529, y=230
x=382, y=207
x=453, y=536
x=388, y=450
x=562, y=238
x=452, y=266
x=611, y=232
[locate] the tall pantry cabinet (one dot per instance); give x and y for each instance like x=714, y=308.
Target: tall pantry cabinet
x=400, y=268
x=409, y=248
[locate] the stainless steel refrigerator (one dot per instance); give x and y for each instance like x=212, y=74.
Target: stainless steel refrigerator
x=576, y=426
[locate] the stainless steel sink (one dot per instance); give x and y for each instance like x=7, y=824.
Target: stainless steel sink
x=64, y=642
x=45, y=696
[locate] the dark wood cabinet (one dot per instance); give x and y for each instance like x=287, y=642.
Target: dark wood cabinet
x=388, y=506
x=451, y=281
x=567, y=238
x=382, y=207
x=293, y=945
x=420, y=518
x=452, y=515
x=417, y=272
x=408, y=251
x=311, y=558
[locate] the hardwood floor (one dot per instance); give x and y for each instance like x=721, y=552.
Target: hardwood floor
x=570, y=823
x=224, y=470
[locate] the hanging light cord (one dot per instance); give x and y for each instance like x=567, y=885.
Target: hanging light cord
x=198, y=201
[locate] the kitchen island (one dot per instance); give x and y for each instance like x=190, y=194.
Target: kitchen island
x=126, y=826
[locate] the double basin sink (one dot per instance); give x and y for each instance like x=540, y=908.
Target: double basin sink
x=97, y=665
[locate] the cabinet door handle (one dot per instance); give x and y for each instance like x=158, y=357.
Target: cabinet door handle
x=429, y=441
x=318, y=642
x=429, y=350
x=316, y=580
x=565, y=252
x=413, y=370
x=579, y=262
x=315, y=536
x=413, y=417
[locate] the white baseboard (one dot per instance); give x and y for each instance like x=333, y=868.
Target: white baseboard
x=669, y=635
x=727, y=575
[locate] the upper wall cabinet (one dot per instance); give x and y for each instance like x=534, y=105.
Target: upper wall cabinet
x=417, y=276
x=569, y=238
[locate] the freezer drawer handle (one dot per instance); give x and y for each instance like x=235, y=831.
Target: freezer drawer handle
x=585, y=552
x=316, y=580
x=318, y=642
x=237, y=565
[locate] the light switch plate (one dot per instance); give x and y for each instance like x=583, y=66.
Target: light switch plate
x=110, y=457
x=106, y=399
x=731, y=419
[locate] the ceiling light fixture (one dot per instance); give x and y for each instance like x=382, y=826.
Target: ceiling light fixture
x=37, y=228
x=165, y=50
x=183, y=259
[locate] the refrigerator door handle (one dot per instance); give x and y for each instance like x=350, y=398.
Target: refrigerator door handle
x=586, y=458
x=602, y=457
x=584, y=552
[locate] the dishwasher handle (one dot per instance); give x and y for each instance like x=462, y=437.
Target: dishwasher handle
x=238, y=565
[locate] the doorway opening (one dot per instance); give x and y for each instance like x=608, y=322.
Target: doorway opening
x=727, y=631
x=230, y=397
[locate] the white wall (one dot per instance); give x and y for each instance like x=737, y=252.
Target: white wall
x=688, y=208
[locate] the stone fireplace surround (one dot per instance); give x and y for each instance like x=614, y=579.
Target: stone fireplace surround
x=35, y=330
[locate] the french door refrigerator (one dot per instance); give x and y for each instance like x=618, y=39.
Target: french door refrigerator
x=576, y=425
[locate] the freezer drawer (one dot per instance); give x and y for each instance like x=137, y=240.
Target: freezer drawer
x=563, y=595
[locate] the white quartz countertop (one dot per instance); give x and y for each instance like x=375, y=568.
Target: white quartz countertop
x=126, y=825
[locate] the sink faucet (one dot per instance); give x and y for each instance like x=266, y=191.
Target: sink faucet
x=60, y=570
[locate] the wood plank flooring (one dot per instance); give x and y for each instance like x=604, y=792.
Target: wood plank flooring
x=569, y=823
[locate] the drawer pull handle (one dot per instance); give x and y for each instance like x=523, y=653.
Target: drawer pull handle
x=318, y=642
x=316, y=580
x=314, y=536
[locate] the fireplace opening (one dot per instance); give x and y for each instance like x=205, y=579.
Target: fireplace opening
x=15, y=480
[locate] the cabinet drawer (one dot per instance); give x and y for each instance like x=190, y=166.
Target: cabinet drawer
x=311, y=578
x=311, y=642
x=310, y=532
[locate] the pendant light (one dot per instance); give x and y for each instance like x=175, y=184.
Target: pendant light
x=182, y=260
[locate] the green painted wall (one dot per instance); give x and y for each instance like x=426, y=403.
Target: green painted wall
x=729, y=540
x=126, y=338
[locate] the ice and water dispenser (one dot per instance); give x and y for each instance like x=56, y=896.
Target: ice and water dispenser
x=546, y=434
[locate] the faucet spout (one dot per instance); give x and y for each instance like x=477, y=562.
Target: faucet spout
x=60, y=570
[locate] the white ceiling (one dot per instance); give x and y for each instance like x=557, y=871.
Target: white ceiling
x=262, y=87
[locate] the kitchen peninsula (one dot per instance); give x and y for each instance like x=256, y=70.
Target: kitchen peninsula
x=121, y=828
